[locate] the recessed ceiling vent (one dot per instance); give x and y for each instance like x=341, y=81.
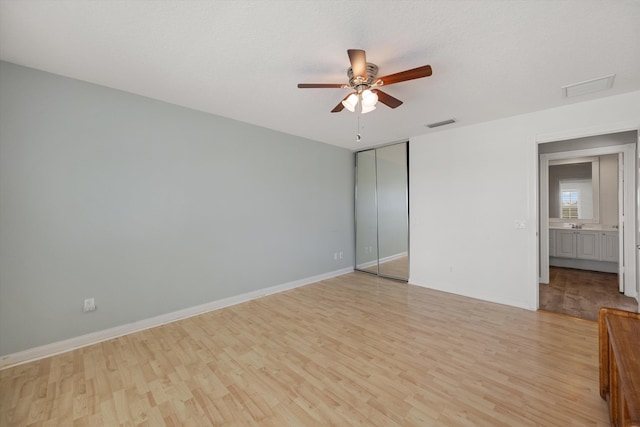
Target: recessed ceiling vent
x=442, y=123
x=589, y=86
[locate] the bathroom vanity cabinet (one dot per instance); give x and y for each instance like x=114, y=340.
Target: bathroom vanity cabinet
x=584, y=249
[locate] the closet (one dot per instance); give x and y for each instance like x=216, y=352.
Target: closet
x=382, y=211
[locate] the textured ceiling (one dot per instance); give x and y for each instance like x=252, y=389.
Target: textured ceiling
x=242, y=59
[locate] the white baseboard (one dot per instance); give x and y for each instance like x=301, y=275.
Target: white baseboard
x=52, y=349
x=486, y=298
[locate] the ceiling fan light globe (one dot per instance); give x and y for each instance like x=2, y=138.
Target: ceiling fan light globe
x=348, y=106
x=367, y=108
x=351, y=102
x=369, y=99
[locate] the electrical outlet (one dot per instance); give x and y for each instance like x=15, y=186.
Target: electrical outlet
x=89, y=305
x=341, y=255
x=520, y=223
x=335, y=256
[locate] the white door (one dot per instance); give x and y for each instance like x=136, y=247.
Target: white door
x=621, y=222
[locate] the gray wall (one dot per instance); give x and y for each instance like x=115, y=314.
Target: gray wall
x=150, y=207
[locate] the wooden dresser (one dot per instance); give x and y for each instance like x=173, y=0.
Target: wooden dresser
x=619, y=341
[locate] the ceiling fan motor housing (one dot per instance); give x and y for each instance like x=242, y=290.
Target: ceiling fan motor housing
x=360, y=83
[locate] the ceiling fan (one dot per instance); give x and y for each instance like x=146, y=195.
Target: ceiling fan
x=365, y=83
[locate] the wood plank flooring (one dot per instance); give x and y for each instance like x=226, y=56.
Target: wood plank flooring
x=581, y=293
x=353, y=350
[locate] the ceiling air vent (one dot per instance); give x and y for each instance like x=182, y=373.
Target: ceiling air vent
x=589, y=86
x=442, y=123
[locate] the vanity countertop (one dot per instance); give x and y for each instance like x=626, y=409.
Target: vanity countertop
x=586, y=227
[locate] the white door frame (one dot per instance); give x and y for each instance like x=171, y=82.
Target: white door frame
x=536, y=244
x=621, y=219
x=627, y=262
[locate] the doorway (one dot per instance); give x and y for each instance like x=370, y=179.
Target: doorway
x=587, y=223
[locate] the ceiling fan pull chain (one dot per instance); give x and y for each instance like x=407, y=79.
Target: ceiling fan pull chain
x=358, y=137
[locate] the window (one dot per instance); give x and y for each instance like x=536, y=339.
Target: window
x=570, y=204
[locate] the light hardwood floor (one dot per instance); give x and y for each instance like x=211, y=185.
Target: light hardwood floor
x=353, y=350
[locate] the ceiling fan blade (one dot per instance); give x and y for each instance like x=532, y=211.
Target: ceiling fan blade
x=387, y=99
x=403, y=76
x=321, y=85
x=358, y=62
x=340, y=106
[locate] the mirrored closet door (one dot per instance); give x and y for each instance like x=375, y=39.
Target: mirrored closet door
x=382, y=211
